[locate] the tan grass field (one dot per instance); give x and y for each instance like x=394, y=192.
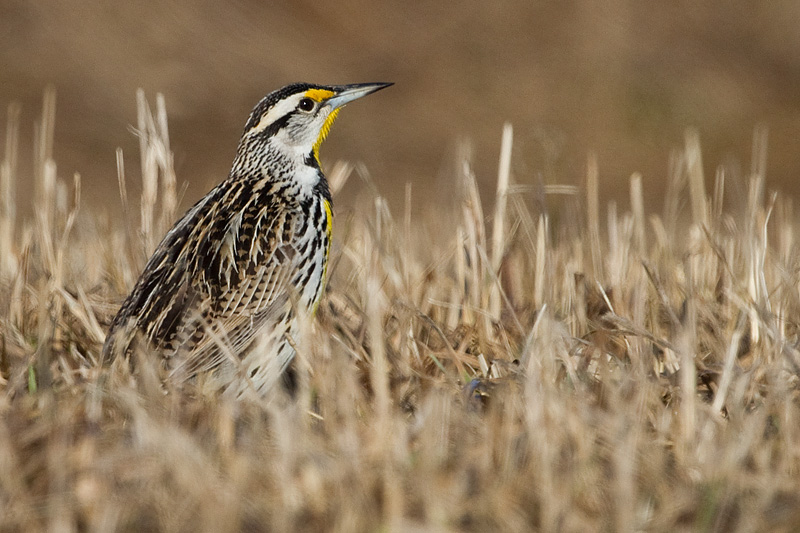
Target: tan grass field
x=590, y=369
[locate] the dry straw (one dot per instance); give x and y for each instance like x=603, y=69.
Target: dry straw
x=618, y=371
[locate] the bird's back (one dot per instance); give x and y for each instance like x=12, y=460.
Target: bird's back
x=230, y=275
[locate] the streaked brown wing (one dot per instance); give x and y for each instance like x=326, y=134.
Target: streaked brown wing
x=259, y=303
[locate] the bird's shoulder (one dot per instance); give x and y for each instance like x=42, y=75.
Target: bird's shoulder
x=211, y=249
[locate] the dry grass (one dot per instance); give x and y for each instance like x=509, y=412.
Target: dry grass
x=634, y=373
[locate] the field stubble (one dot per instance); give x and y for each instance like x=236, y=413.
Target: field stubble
x=628, y=372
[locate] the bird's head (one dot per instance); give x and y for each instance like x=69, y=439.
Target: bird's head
x=296, y=119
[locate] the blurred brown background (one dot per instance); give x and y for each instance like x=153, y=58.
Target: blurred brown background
x=623, y=79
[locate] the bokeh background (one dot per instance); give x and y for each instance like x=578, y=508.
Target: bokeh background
x=621, y=78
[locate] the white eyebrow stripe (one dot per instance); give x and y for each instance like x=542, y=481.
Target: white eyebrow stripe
x=282, y=108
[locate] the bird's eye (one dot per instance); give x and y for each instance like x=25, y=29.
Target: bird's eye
x=306, y=104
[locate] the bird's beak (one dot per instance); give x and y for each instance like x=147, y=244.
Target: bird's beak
x=347, y=93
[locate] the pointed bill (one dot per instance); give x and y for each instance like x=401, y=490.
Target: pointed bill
x=348, y=93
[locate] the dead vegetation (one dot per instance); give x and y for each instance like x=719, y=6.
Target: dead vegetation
x=608, y=371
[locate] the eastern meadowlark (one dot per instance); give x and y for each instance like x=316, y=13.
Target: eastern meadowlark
x=222, y=293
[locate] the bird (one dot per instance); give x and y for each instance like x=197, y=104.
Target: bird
x=224, y=292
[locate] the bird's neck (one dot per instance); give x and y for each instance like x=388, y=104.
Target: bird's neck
x=291, y=173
